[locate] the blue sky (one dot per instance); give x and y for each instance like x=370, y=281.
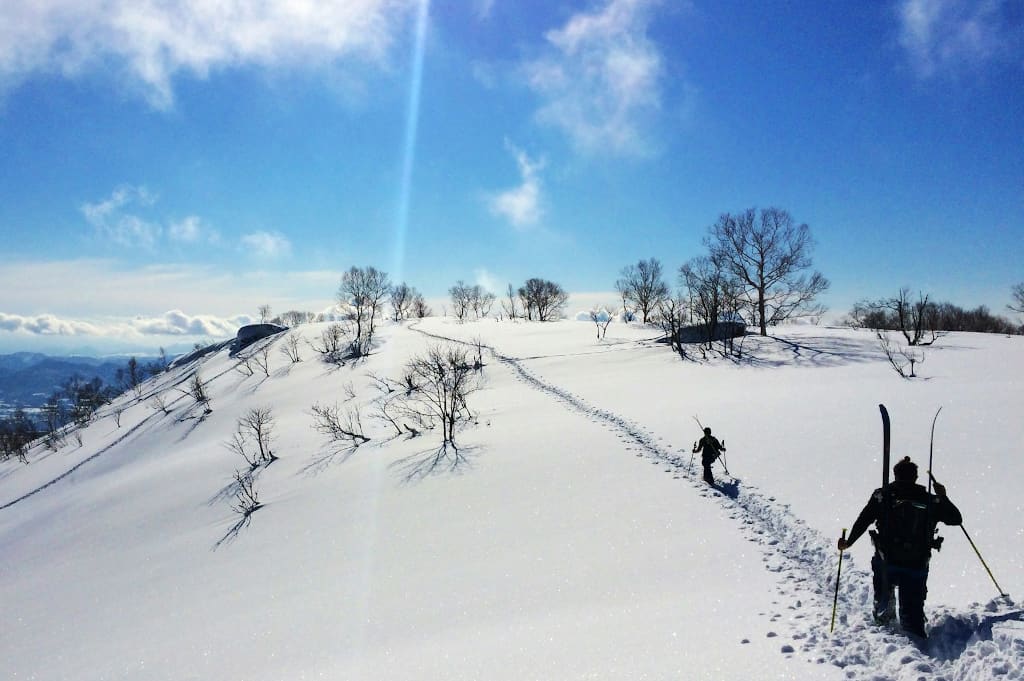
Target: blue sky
x=167, y=167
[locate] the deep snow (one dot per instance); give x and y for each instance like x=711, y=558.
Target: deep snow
x=573, y=541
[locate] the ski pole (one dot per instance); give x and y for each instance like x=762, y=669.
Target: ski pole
x=693, y=453
x=835, y=599
x=1002, y=593
x=974, y=546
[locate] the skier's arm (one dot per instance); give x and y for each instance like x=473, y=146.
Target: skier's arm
x=948, y=512
x=868, y=515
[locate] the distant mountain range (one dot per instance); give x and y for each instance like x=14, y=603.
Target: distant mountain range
x=28, y=378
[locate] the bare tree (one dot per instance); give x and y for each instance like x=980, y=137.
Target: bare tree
x=707, y=283
x=671, y=316
x=444, y=379
x=131, y=377
x=16, y=435
x=252, y=438
x=264, y=313
x=508, y=305
x=420, y=309
x=461, y=297
x=481, y=301
x=601, y=318
x=295, y=318
x=403, y=301
x=543, y=300
x=363, y=289
x=914, y=319
x=768, y=253
x=1017, y=293
x=643, y=285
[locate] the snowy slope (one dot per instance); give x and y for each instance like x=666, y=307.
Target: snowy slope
x=572, y=542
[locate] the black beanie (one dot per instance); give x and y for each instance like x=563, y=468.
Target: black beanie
x=905, y=470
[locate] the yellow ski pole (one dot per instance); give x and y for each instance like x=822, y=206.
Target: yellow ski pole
x=835, y=599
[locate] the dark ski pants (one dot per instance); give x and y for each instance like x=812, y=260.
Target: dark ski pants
x=708, y=476
x=913, y=588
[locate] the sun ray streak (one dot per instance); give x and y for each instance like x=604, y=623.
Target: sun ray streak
x=409, y=143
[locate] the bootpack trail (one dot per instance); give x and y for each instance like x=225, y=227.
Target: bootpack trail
x=978, y=642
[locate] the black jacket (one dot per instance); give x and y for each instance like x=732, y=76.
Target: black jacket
x=938, y=510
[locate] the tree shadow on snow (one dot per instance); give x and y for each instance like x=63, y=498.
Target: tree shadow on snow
x=233, y=533
x=327, y=457
x=438, y=461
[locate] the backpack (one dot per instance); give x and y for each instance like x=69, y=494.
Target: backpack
x=908, y=535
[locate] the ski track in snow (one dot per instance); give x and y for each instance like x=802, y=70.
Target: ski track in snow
x=964, y=645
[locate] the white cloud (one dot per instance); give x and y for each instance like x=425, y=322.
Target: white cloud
x=948, y=36
x=267, y=244
x=120, y=291
x=177, y=323
x=521, y=205
x=602, y=81
x=48, y=325
x=115, y=218
x=172, y=323
x=152, y=41
x=190, y=230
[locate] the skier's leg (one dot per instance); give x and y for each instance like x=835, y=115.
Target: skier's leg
x=884, y=605
x=913, y=590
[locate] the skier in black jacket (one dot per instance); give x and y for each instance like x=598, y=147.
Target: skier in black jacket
x=710, y=449
x=905, y=514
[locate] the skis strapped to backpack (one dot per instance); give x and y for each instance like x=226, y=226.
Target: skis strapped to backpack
x=885, y=497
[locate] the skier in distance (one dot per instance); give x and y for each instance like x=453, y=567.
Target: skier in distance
x=905, y=515
x=710, y=449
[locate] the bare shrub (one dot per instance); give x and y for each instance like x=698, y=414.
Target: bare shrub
x=159, y=402
x=245, y=365
x=900, y=357
x=247, y=499
x=349, y=390
x=343, y=428
x=252, y=438
x=332, y=346
x=290, y=348
x=261, y=357
x=197, y=391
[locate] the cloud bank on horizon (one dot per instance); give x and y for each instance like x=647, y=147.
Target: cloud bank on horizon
x=228, y=179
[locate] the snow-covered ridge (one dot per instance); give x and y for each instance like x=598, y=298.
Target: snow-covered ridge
x=353, y=570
